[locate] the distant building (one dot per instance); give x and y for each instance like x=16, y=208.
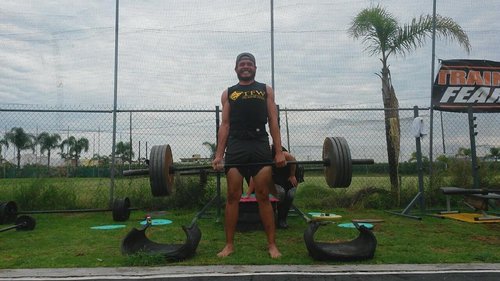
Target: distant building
x=196, y=158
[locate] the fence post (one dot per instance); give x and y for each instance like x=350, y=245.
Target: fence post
x=219, y=203
x=472, y=136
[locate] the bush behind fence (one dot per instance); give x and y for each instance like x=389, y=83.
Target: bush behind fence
x=190, y=133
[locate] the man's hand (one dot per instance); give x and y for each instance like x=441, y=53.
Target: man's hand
x=218, y=164
x=279, y=159
x=293, y=181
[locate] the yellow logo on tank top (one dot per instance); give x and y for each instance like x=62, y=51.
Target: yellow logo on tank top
x=235, y=95
x=254, y=94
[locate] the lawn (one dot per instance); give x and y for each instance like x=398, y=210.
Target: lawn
x=67, y=240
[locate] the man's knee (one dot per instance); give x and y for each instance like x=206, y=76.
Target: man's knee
x=261, y=195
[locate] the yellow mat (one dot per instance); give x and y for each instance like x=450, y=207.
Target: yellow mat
x=469, y=217
x=324, y=216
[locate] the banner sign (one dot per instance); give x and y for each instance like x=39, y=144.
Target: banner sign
x=463, y=83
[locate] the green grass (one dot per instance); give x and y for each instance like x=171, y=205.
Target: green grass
x=67, y=240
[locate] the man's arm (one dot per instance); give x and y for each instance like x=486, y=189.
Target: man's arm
x=223, y=133
x=272, y=115
x=293, y=167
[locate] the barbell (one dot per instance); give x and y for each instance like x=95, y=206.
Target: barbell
x=336, y=157
x=22, y=223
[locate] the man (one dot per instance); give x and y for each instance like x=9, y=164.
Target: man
x=246, y=108
x=287, y=180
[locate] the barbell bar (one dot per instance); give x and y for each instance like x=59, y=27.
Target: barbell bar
x=22, y=223
x=120, y=210
x=336, y=154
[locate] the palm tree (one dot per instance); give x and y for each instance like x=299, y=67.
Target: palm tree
x=495, y=153
x=444, y=160
x=75, y=148
x=413, y=158
x=47, y=143
x=383, y=36
x=212, y=147
x=464, y=152
x=124, y=151
x=3, y=142
x=21, y=140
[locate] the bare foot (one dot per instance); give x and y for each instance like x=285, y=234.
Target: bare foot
x=228, y=249
x=274, y=252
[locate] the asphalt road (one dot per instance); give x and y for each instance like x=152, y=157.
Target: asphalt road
x=395, y=272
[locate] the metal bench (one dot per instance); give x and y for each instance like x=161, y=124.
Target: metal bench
x=478, y=199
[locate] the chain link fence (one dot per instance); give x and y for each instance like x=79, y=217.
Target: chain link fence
x=56, y=55
x=192, y=135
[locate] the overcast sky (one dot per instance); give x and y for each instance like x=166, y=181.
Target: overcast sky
x=180, y=54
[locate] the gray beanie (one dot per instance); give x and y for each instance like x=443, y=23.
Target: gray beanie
x=245, y=56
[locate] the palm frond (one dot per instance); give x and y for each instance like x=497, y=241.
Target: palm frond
x=413, y=35
x=375, y=25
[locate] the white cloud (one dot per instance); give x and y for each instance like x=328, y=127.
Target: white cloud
x=181, y=53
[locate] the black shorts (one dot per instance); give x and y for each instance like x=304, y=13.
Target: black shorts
x=241, y=151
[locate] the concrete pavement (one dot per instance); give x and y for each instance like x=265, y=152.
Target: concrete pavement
x=391, y=272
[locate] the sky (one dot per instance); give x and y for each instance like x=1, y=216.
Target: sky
x=180, y=54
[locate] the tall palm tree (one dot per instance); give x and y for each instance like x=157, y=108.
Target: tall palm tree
x=464, y=152
x=21, y=140
x=47, y=143
x=413, y=157
x=212, y=147
x=495, y=153
x=3, y=142
x=75, y=148
x=124, y=151
x=383, y=36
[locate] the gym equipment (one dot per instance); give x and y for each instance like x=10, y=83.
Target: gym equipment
x=120, y=211
x=108, y=227
x=156, y=222
x=336, y=154
x=477, y=199
x=22, y=223
x=136, y=241
x=324, y=216
x=361, y=248
x=8, y=212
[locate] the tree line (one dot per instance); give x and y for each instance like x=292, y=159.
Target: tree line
x=70, y=148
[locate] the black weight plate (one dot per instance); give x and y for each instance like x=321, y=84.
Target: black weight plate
x=25, y=223
x=8, y=212
x=121, y=209
x=160, y=178
x=346, y=162
x=331, y=156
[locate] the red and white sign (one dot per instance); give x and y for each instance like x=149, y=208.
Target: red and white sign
x=460, y=84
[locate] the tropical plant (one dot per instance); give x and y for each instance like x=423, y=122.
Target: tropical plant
x=494, y=153
x=463, y=152
x=102, y=159
x=3, y=142
x=212, y=147
x=383, y=36
x=48, y=142
x=124, y=151
x=21, y=140
x=74, y=148
x=413, y=158
x=443, y=160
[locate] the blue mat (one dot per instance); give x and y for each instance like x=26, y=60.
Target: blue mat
x=108, y=227
x=157, y=222
x=351, y=225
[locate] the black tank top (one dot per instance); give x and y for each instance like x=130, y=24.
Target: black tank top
x=248, y=115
